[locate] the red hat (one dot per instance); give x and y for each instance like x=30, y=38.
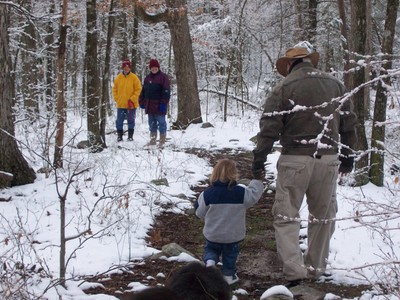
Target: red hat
x=154, y=63
x=126, y=63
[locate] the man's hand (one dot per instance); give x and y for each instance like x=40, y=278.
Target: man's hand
x=258, y=170
x=346, y=165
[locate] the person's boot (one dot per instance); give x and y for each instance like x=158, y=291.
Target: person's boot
x=130, y=134
x=153, y=137
x=120, y=134
x=162, y=140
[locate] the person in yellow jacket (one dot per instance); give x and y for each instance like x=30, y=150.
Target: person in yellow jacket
x=126, y=91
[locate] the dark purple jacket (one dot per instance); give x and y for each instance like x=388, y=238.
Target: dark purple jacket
x=155, y=92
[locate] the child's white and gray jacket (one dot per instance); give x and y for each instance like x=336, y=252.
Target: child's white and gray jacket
x=223, y=209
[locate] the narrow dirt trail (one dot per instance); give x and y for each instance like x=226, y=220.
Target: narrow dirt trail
x=258, y=265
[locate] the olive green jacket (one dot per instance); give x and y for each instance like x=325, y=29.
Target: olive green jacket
x=309, y=114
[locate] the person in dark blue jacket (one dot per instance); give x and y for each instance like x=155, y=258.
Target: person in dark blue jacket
x=223, y=208
x=154, y=99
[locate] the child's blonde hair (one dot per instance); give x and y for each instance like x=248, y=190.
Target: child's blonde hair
x=225, y=171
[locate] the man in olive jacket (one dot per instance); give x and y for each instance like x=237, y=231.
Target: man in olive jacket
x=312, y=120
x=126, y=91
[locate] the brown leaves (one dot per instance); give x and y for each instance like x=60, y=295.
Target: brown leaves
x=155, y=237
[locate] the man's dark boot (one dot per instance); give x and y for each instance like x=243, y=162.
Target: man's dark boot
x=130, y=134
x=120, y=134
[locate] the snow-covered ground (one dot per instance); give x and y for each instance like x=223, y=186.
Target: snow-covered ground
x=111, y=202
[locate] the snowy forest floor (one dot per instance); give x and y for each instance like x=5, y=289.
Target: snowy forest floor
x=258, y=266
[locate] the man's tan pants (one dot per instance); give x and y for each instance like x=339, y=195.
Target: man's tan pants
x=315, y=178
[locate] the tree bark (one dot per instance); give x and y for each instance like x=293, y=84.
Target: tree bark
x=105, y=91
x=312, y=21
x=29, y=69
x=11, y=158
x=189, y=110
x=96, y=142
x=358, y=11
x=135, y=41
x=299, y=14
x=61, y=114
x=345, y=45
x=381, y=99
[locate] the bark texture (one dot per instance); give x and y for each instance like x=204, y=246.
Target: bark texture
x=11, y=158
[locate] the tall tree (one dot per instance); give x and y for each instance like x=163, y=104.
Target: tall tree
x=61, y=106
x=135, y=42
x=358, y=34
x=96, y=141
x=11, y=158
x=381, y=98
x=105, y=91
x=176, y=16
x=345, y=44
x=29, y=67
x=306, y=20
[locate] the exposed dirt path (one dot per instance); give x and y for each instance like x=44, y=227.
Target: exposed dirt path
x=258, y=265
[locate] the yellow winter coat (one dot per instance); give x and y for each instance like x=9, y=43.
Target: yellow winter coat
x=126, y=87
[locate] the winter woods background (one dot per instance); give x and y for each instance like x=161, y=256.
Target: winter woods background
x=58, y=59
x=64, y=55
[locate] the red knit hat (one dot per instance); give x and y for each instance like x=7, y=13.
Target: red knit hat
x=126, y=63
x=154, y=63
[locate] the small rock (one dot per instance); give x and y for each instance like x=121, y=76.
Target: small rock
x=206, y=125
x=307, y=293
x=173, y=249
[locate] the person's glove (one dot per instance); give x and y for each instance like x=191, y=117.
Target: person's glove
x=142, y=106
x=346, y=165
x=130, y=104
x=258, y=170
x=163, y=108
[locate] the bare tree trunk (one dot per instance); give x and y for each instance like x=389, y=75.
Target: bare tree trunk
x=312, y=21
x=234, y=61
x=368, y=52
x=105, y=92
x=189, y=110
x=345, y=45
x=123, y=45
x=61, y=114
x=11, y=159
x=29, y=69
x=93, y=82
x=378, y=128
x=306, y=20
x=299, y=13
x=49, y=40
x=135, y=40
x=49, y=85
x=63, y=267
x=358, y=11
